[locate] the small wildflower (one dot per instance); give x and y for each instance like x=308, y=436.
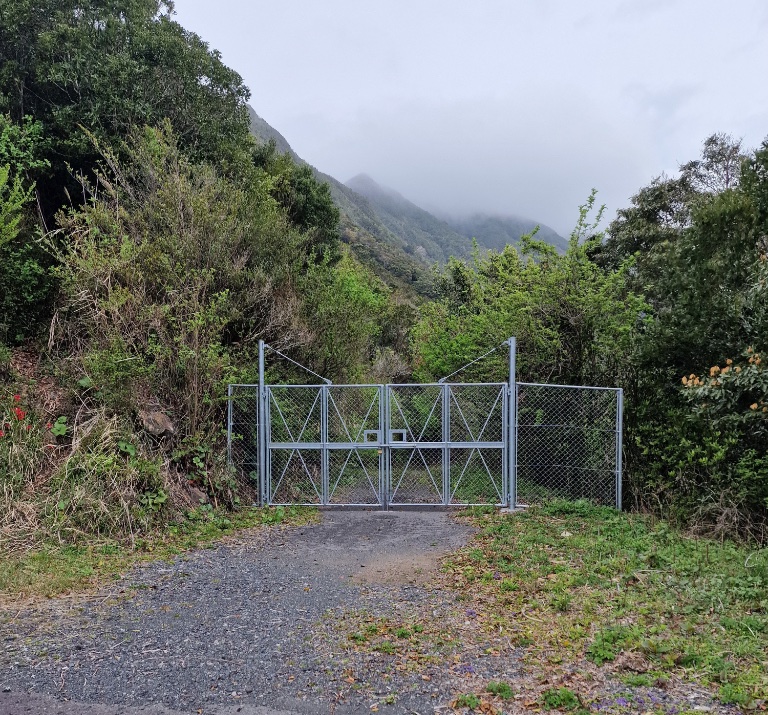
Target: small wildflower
x=753, y=406
x=29, y=427
x=48, y=425
x=713, y=371
x=2, y=434
x=729, y=361
x=725, y=370
x=17, y=398
x=685, y=380
x=20, y=414
x=737, y=369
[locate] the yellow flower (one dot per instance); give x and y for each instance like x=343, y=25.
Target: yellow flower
x=737, y=368
x=753, y=406
x=729, y=361
x=713, y=371
x=725, y=369
x=685, y=380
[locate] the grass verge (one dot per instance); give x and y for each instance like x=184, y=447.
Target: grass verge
x=583, y=585
x=53, y=570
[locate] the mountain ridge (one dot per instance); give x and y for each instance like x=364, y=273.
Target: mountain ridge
x=397, y=239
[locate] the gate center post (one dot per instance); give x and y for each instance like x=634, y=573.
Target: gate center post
x=324, y=456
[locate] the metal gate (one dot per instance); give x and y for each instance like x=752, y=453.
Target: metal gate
x=506, y=444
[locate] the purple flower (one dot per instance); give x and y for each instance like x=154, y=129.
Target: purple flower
x=623, y=702
x=471, y=613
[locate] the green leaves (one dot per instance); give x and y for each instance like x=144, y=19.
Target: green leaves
x=573, y=321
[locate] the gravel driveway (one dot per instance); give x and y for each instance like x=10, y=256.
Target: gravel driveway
x=249, y=627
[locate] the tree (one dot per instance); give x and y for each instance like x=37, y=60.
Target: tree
x=107, y=65
x=699, y=242
x=573, y=320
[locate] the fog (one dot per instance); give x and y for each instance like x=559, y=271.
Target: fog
x=498, y=106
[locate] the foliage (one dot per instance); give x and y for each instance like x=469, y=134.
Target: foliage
x=348, y=302
x=501, y=689
x=573, y=321
x=25, y=285
x=109, y=66
x=699, y=244
x=559, y=699
x=672, y=604
x=21, y=448
x=307, y=202
x=153, y=322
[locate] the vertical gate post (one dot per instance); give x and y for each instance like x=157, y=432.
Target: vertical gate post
x=619, y=444
x=384, y=480
x=324, y=462
x=262, y=434
x=229, y=426
x=512, y=425
x=446, y=437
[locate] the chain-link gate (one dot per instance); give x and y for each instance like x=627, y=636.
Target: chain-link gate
x=506, y=444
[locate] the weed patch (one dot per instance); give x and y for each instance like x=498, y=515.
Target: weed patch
x=53, y=569
x=591, y=584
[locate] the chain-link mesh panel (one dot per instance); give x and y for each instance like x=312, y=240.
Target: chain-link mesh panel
x=353, y=413
x=476, y=413
x=477, y=476
x=295, y=476
x=295, y=413
x=417, y=476
x=353, y=476
x=416, y=413
x=244, y=430
x=567, y=439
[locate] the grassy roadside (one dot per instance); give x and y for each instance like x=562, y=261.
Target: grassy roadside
x=590, y=591
x=53, y=570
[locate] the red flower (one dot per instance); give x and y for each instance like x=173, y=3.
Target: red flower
x=2, y=434
x=48, y=425
x=29, y=427
x=20, y=414
x=17, y=398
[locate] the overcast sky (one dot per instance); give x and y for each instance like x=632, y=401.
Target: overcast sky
x=504, y=106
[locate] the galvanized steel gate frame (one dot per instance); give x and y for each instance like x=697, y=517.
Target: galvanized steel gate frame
x=400, y=463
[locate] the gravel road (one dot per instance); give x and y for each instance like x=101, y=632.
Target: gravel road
x=236, y=629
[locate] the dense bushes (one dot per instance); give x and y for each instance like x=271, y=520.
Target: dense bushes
x=574, y=322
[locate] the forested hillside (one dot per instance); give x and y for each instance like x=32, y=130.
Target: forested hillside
x=399, y=241
x=148, y=240
x=386, y=254
x=495, y=232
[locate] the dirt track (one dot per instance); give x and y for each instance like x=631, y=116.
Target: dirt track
x=234, y=628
